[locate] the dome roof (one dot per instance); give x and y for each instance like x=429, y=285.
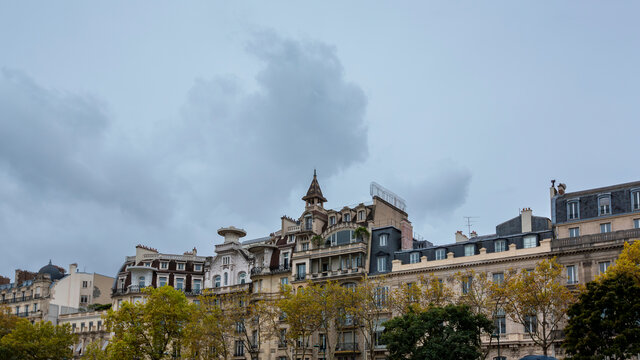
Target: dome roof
x=52, y=270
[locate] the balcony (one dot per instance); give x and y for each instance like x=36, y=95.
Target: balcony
x=347, y=347
x=300, y=277
x=332, y=250
x=587, y=241
x=333, y=274
x=281, y=269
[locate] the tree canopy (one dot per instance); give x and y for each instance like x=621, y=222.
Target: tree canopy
x=38, y=341
x=438, y=333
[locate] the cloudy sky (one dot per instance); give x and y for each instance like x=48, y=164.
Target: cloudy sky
x=159, y=122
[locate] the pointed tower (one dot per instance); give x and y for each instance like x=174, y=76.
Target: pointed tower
x=314, y=194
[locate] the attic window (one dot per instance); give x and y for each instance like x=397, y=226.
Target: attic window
x=346, y=217
x=332, y=220
x=361, y=215
x=414, y=258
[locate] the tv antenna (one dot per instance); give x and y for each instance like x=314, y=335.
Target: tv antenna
x=469, y=222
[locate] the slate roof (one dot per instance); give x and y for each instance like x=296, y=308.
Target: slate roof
x=314, y=190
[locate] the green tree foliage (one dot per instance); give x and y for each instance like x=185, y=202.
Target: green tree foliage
x=151, y=329
x=361, y=233
x=38, y=341
x=302, y=313
x=439, y=333
x=94, y=351
x=427, y=292
x=209, y=331
x=605, y=322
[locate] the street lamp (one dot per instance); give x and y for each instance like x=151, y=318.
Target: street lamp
x=497, y=336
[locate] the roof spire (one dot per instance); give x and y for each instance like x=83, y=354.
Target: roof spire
x=314, y=191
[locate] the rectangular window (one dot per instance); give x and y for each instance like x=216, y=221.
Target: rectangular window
x=573, y=210
x=162, y=281
x=382, y=263
x=603, y=266
x=469, y=250
x=301, y=271
x=285, y=260
x=414, y=258
x=498, y=278
x=84, y=299
x=304, y=246
x=571, y=274
x=85, y=284
x=604, y=205
x=164, y=265
x=383, y=239
x=291, y=239
x=530, y=324
x=239, y=348
x=226, y=260
x=605, y=228
x=500, y=246
x=440, y=254
x=574, y=232
x=197, y=284
x=529, y=241
x=322, y=342
x=332, y=220
x=346, y=217
x=180, y=266
x=466, y=285
x=333, y=239
x=381, y=296
x=284, y=281
x=197, y=267
x=179, y=283
x=308, y=222
x=500, y=322
x=361, y=215
x=636, y=223
x=635, y=200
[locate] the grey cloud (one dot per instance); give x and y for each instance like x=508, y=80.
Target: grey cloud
x=441, y=193
x=259, y=144
x=55, y=144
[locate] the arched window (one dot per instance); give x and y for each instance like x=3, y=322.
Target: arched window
x=226, y=279
x=216, y=281
x=242, y=277
x=141, y=281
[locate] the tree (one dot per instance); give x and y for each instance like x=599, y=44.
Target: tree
x=94, y=351
x=149, y=329
x=427, y=292
x=538, y=300
x=331, y=300
x=303, y=316
x=368, y=305
x=605, y=322
x=38, y=341
x=209, y=330
x=482, y=295
x=439, y=333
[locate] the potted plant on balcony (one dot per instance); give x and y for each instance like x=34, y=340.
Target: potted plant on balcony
x=361, y=233
x=318, y=240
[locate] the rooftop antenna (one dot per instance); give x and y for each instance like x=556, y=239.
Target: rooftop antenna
x=469, y=223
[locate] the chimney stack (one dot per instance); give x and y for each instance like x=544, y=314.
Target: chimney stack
x=460, y=237
x=406, y=230
x=474, y=234
x=526, y=218
x=73, y=268
x=561, y=188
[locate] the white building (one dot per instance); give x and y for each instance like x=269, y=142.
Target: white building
x=231, y=266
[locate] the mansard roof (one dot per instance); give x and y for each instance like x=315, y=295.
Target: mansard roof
x=314, y=190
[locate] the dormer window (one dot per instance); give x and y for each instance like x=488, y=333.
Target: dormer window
x=164, y=265
x=530, y=241
x=332, y=220
x=180, y=266
x=635, y=199
x=500, y=245
x=291, y=239
x=573, y=210
x=604, y=205
x=346, y=217
x=440, y=254
x=414, y=258
x=383, y=239
x=197, y=267
x=469, y=250
x=361, y=215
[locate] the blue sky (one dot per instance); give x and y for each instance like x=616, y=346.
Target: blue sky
x=160, y=122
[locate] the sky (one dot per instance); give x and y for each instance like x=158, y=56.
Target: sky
x=159, y=122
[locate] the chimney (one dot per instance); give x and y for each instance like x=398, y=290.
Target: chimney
x=552, y=190
x=406, y=234
x=561, y=189
x=460, y=237
x=73, y=268
x=474, y=234
x=231, y=234
x=525, y=217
